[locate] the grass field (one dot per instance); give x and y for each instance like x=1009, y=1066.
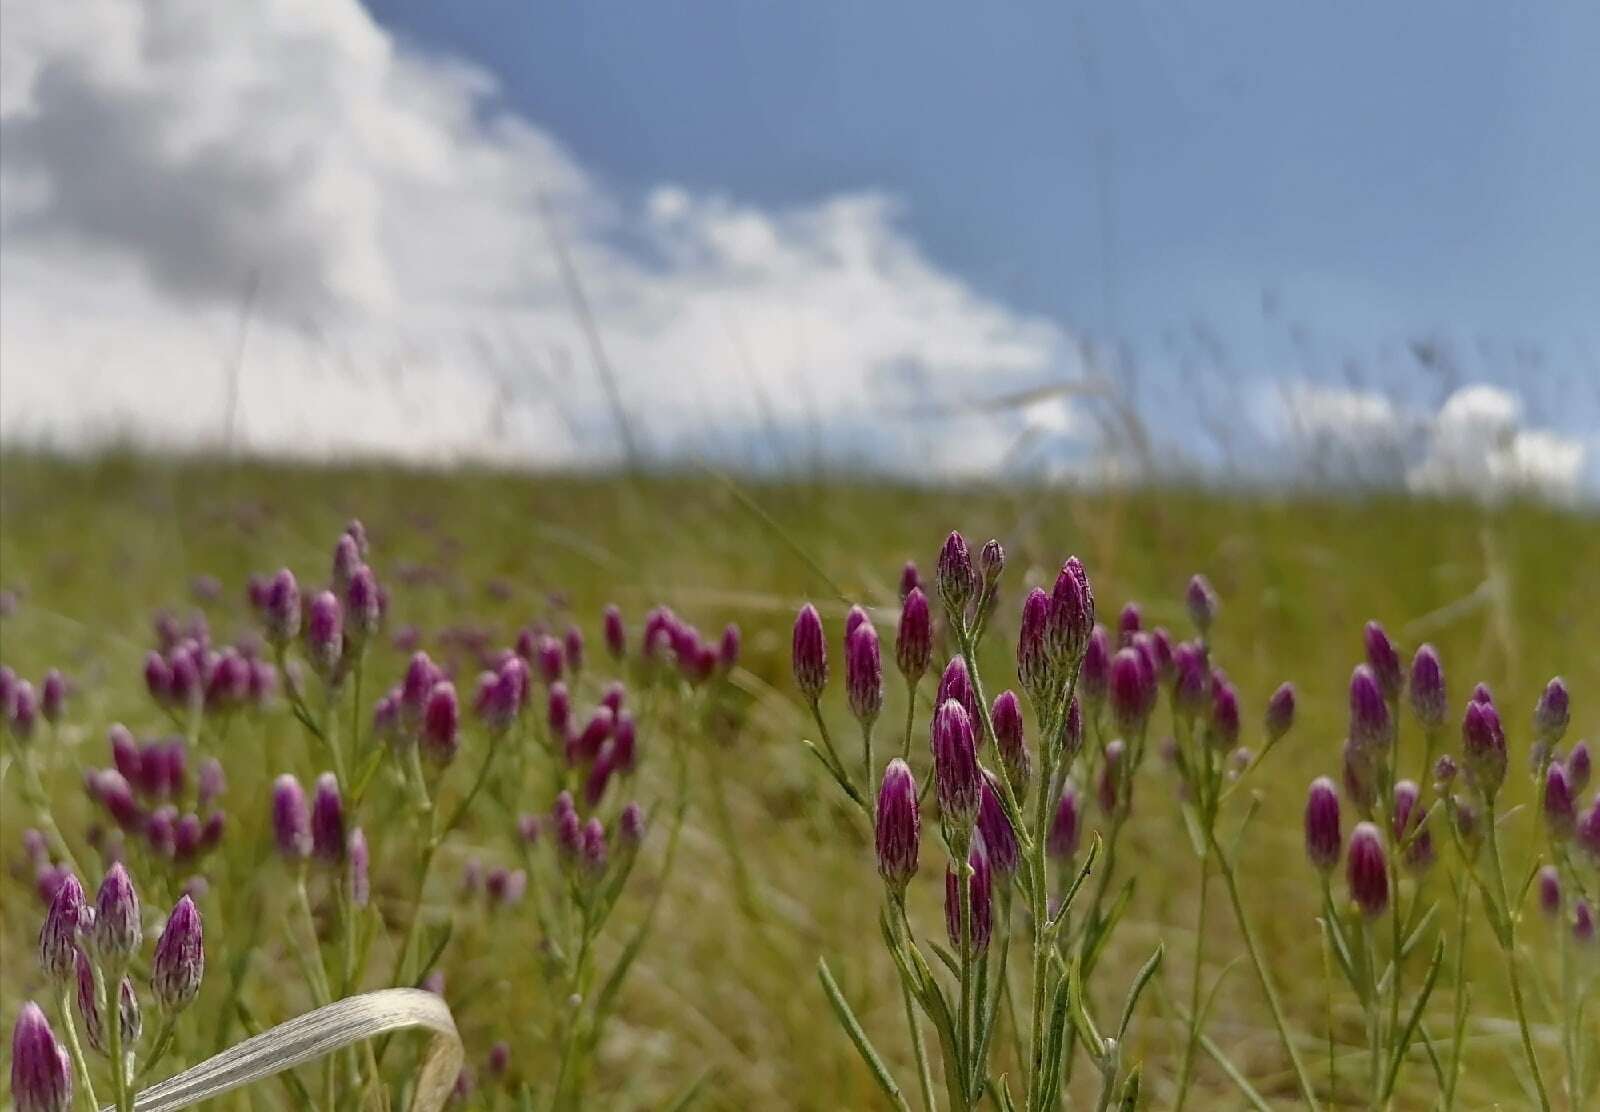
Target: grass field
x=726, y=988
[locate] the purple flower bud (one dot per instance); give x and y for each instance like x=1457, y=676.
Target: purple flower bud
x=128, y=1015
x=161, y=831
x=1444, y=772
x=1072, y=736
x=1367, y=871
x=729, y=647
x=596, y=732
x=1410, y=826
x=1110, y=791
x=1481, y=694
x=569, y=829
x=499, y=1060
x=854, y=620
x=1552, y=715
x=1550, y=891
x=1384, y=660
x=624, y=742
x=36, y=848
x=291, y=820
x=999, y=840
x=863, y=674
x=1483, y=748
x=8, y=688
x=528, y=829
x=1360, y=776
x=899, y=825
x=421, y=675
x=1370, y=727
x=114, y=794
x=325, y=634
x=1202, y=603
x=1323, y=839
x=180, y=960
x=955, y=766
x=1094, y=677
x=956, y=578
x=229, y=684
x=1560, y=811
x=956, y=684
x=616, y=634
x=1129, y=695
x=1465, y=815
x=1427, y=689
x=186, y=837
x=158, y=677
x=362, y=603
x=187, y=685
x=24, y=712
x=117, y=927
x=558, y=710
x=1280, y=713
x=910, y=580
x=599, y=778
x=1583, y=923
x=1065, y=825
x=441, y=723
x=53, y=696
x=495, y=701
x=549, y=658
x=1191, y=680
x=41, y=1072
x=281, y=612
x=913, y=643
x=327, y=820
x=1071, y=615
x=592, y=849
x=346, y=559
x=630, y=825
x=1006, y=716
x=1129, y=622
x=124, y=751
x=1578, y=767
x=572, y=647
x=810, y=653
x=991, y=563
x=980, y=896
x=1224, y=725
x=1035, y=665
x=506, y=887
x=58, y=939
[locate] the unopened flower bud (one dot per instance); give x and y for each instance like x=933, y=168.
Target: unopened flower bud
x=999, y=840
x=499, y=1060
x=346, y=559
x=1553, y=713
x=863, y=674
x=1482, y=694
x=1071, y=614
x=1550, y=891
x=729, y=646
x=1066, y=825
x=991, y=563
x=1129, y=622
x=854, y=620
x=1483, y=748
x=1094, y=677
x=810, y=653
x=363, y=608
x=1560, y=811
x=1367, y=872
x=955, y=683
x=1006, y=716
x=616, y=634
x=1035, y=664
x=1428, y=701
x=1444, y=772
x=624, y=743
x=1578, y=770
x=1202, y=603
x=1360, y=776
x=630, y=825
x=327, y=820
x=592, y=849
x=1383, y=660
x=1280, y=713
x=1223, y=729
x=1129, y=695
x=1410, y=826
x=53, y=696
x=956, y=577
x=1072, y=735
x=180, y=959
x=913, y=644
x=1323, y=839
x=910, y=579
x=1112, y=791
x=291, y=819
x=58, y=939
x=980, y=911
x=441, y=724
x=1583, y=923
x=118, y=929
x=24, y=713
x=955, y=766
x=325, y=634
x=899, y=825
x=1370, y=725
x=572, y=648
x=41, y=1072
x=281, y=612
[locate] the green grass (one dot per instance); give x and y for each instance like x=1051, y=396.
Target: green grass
x=1509, y=595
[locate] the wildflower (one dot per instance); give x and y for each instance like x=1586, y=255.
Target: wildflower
x=346, y=559
x=1383, y=660
x=506, y=887
x=913, y=643
x=1065, y=824
x=53, y=696
x=854, y=620
x=281, y=612
x=1410, y=826
x=1071, y=615
x=1553, y=713
x=955, y=767
x=1481, y=694
x=1202, y=603
x=1368, y=871
x=1560, y=813
x=980, y=911
x=1360, y=776
x=1035, y=666
x=592, y=848
x=180, y=959
x=1072, y=735
x=899, y=825
x=24, y=712
x=630, y=825
x=1323, y=840
x=161, y=831
x=291, y=820
x=1550, y=891
x=117, y=927
x=41, y=1073
x=1280, y=713
x=1129, y=622
x=615, y=633
x=1094, y=675
x=999, y=840
x=956, y=684
x=624, y=743
x=325, y=635
x=1578, y=767
x=1427, y=689
x=58, y=939
x=1483, y=748
x=327, y=820
x=1191, y=680
x=1444, y=772
x=157, y=678
x=572, y=646
x=955, y=576
x=441, y=723
x=549, y=658
x=910, y=580
x=358, y=882
x=1006, y=716
x=1370, y=727
x=810, y=653
x=596, y=732
x=1129, y=700
x=187, y=836
x=499, y=1060
x=1224, y=725
x=558, y=710
x=863, y=674
x=728, y=647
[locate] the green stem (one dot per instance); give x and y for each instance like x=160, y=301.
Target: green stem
x=110, y=987
x=911, y=717
x=1509, y=945
x=1185, y=1073
x=74, y=1047
x=924, y=1073
x=39, y=800
x=1463, y=905
x=1374, y=1040
x=964, y=902
x=321, y=990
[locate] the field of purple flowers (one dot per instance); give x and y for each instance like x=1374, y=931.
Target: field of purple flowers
x=669, y=793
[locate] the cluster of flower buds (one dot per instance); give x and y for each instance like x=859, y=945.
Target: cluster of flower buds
x=21, y=705
x=143, y=791
x=424, y=710
x=191, y=676
x=668, y=639
x=499, y=886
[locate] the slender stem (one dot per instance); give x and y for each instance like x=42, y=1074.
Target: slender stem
x=1569, y=1041
x=74, y=1047
x=1374, y=1039
x=110, y=986
x=827, y=743
x=872, y=773
x=1393, y=1035
x=964, y=902
x=924, y=1073
x=911, y=717
x=1185, y=1074
x=1463, y=905
x=39, y=799
x=1509, y=945
x=320, y=988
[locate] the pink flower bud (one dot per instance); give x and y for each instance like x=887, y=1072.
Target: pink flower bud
x=956, y=578
x=180, y=958
x=980, y=913
x=291, y=819
x=327, y=820
x=117, y=926
x=899, y=825
x=1367, y=870
x=58, y=939
x=1483, y=748
x=810, y=655
x=1006, y=716
x=1071, y=615
x=1202, y=603
x=863, y=672
x=1383, y=660
x=913, y=646
x=1066, y=824
x=1428, y=700
x=41, y=1072
x=955, y=766
x=1323, y=839
x=616, y=634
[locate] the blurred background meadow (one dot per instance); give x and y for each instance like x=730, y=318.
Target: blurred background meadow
x=729, y=308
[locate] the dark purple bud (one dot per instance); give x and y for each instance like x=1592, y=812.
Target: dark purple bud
x=1578, y=767
x=1583, y=923
x=1010, y=739
x=1072, y=736
x=362, y=605
x=1129, y=694
x=1560, y=810
x=596, y=732
x=1094, y=678
x=327, y=820
x=1202, y=603
x=1224, y=725
x=729, y=647
x=956, y=684
x=1191, y=680
x=980, y=897
x=124, y=751
x=1482, y=694
x=569, y=829
x=346, y=559
x=549, y=658
x=1360, y=776
x=955, y=766
x=913, y=643
x=1066, y=825
x=999, y=840
x=572, y=647
x=592, y=848
x=41, y=1072
x=1035, y=665
x=956, y=578
x=180, y=960
x=186, y=836
x=263, y=681
x=1071, y=615
x=1383, y=660
x=495, y=701
x=595, y=784
x=991, y=563
x=53, y=696
x=1428, y=701
x=421, y=675
x=1483, y=748
x=1111, y=792
x=1552, y=715
x=810, y=653
x=325, y=634
x=116, y=796
x=229, y=684
x=1323, y=839
x=558, y=710
x=899, y=825
x=616, y=634
x=281, y=612
x=441, y=724
x=58, y=939
x=291, y=819
x=1444, y=772
x=161, y=831
x=630, y=825
x=854, y=620
x=624, y=742
x=130, y=1019
x=863, y=674
x=1367, y=872
x=504, y=887
x=1280, y=713
x=24, y=715
x=499, y=1060
x=1550, y=891
x=1129, y=622
x=910, y=580
x=1409, y=823
x=1370, y=726
x=158, y=678
x=117, y=927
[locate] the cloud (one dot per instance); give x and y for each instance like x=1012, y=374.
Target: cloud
x=1479, y=443
x=388, y=239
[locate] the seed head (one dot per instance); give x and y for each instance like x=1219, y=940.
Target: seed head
x=1367, y=872
x=1483, y=748
x=863, y=674
x=58, y=939
x=1006, y=715
x=1323, y=838
x=441, y=724
x=999, y=840
x=1578, y=767
x=810, y=653
x=358, y=859
x=1071, y=615
x=41, y=1072
x=1066, y=825
x=899, y=825
x=1553, y=713
x=913, y=643
x=956, y=577
x=281, y=614
x=910, y=579
x=616, y=634
x=117, y=927
x=1202, y=603
x=327, y=820
x=180, y=961
x=1370, y=726
x=1095, y=675
x=1560, y=810
x=1280, y=713
x=291, y=819
x=1427, y=689
x=955, y=766
x=980, y=898
x=1550, y=891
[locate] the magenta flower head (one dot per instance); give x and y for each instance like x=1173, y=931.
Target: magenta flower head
x=24, y=712
x=1323, y=839
x=1035, y=665
x=1071, y=614
x=549, y=658
x=999, y=840
x=180, y=960
x=596, y=732
x=327, y=820
x=956, y=578
x=1558, y=805
x=117, y=927
x=910, y=579
x=981, y=904
x=494, y=702
x=358, y=874
x=441, y=724
x=810, y=653
x=624, y=742
x=572, y=646
x=1427, y=689
x=1191, y=680
x=1094, y=678
x=421, y=675
x=291, y=819
x=281, y=612
x=363, y=607
x=863, y=674
x=157, y=678
x=1383, y=660
x=1224, y=725
x=1202, y=603
x=1280, y=713
x=854, y=620
x=1583, y=923
x=991, y=563
x=325, y=634
x=1578, y=767
x=1072, y=735
x=1360, y=776
x=592, y=849
x=913, y=642
x=955, y=684
x=1370, y=727
x=729, y=647
x=53, y=696
x=1483, y=748
x=955, y=769
x=630, y=825
x=899, y=826
x=1129, y=622
x=1110, y=791
x=1410, y=826
x=58, y=939
x=1130, y=704
x=1550, y=891
x=558, y=710
x=41, y=1072
x=1006, y=715
x=1066, y=825
x=1367, y=871
x=346, y=559
x=616, y=634
x=1553, y=713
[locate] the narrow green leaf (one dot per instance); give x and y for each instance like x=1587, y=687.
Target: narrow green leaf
x=1077, y=881
x=1108, y=923
x=1081, y=1020
x=1191, y=825
x=1055, y=1044
x=1414, y=939
x=946, y=957
x=1410, y=1029
x=692, y=1093
x=852, y=1026
x=1244, y=823
x=1142, y=979
x=1129, y=1100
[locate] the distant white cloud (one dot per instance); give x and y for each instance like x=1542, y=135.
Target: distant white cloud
x=1480, y=443
x=390, y=224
